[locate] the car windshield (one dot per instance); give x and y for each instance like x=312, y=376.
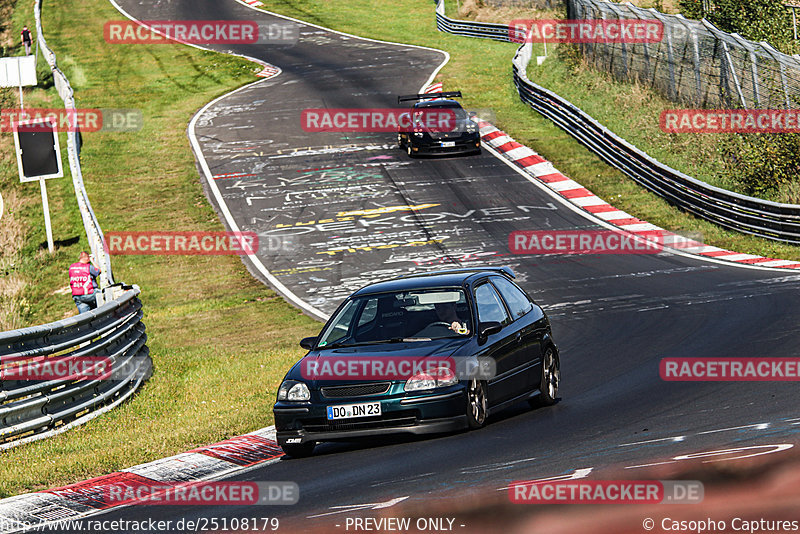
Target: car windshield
x=415, y=315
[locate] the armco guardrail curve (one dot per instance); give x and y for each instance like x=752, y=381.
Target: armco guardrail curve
x=484, y=30
x=42, y=388
x=33, y=409
x=763, y=218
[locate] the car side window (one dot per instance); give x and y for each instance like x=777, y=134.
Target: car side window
x=490, y=307
x=369, y=312
x=517, y=302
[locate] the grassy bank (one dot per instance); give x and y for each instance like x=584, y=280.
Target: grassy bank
x=220, y=340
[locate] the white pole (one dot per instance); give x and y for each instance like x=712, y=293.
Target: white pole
x=19, y=79
x=46, y=208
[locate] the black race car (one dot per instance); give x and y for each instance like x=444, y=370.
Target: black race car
x=427, y=353
x=436, y=124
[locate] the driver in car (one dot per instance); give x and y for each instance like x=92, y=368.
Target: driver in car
x=446, y=312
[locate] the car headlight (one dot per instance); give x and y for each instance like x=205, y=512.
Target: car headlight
x=417, y=134
x=443, y=377
x=292, y=390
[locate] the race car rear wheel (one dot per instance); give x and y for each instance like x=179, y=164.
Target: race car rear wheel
x=410, y=152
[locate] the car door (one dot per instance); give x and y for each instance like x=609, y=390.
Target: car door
x=530, y=326
x=500, y=346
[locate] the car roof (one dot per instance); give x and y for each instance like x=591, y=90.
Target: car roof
x=427, y=280
x=439, y=103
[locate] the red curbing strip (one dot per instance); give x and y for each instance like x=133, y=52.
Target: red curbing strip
x=758, y=260
x=244, y=450
x=718, y=253
x=491, y=133
x=527, y=161
x=95, y=493
x=624, y=222
x=602, y=208
x=576, y=193
x=554, y=177
x=509, y=146
x=86, y=498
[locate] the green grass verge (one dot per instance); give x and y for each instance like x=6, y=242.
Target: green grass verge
x=220, y=340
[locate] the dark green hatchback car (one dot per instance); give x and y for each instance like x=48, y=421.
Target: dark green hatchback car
x=428, y=353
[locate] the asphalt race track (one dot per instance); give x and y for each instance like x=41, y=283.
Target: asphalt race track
x=322, y=203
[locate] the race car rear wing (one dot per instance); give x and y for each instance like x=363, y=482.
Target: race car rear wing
x=432, y=96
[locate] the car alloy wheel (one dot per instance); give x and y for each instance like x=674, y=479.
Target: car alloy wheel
x=550, y=379
x=477, y=405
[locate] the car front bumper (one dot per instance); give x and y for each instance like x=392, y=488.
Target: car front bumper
x=298, y=423
x=427, y=147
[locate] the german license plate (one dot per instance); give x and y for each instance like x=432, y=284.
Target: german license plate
x=349, y=411
x=447, y=144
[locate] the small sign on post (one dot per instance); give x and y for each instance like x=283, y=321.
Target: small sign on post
x=18, y=72
x=39, y=158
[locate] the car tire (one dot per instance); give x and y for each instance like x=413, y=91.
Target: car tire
x=409, y=151
x=300, y=450
x=549, y=380
x=477, y=404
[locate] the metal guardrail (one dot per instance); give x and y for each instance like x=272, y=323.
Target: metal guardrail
x=484, y=30
x=34, y=409
x=50, y=375
x=93, y=232
x=750, y=215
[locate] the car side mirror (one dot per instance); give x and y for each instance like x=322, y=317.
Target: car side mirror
x=489, y=328
x=473, y=114
x=308, y=342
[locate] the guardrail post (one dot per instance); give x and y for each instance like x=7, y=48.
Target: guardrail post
x=774, y=54
x=698, y=84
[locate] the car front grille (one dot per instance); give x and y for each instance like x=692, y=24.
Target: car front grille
x=396, y=419
x=355, y=390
